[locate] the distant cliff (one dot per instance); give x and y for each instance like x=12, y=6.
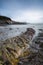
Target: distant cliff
x=7, y=20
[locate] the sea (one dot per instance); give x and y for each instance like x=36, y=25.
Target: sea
x=9, y=31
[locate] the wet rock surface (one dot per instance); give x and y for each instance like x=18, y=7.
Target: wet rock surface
x=39, y=42
x=20, y=51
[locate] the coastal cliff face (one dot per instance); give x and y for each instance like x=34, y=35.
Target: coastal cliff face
x=6, y=20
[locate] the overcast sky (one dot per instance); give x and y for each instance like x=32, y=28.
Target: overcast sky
x=23, y=10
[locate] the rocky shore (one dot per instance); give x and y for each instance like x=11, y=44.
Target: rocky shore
x=17, y=46
x=23, y=49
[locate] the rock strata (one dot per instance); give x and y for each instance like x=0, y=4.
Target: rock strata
x=17, y=47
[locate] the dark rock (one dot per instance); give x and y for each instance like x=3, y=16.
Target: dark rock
x=40, y=29
x=5, y=20
x=40, y=34
x=10, y=28
x=41, y=45
x=7, y=63
x=30, y=31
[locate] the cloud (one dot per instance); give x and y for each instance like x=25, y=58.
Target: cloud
x=29, y=16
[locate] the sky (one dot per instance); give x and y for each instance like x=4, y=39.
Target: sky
x=30, y=11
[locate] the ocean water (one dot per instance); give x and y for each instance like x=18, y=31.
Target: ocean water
x=15, y=30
